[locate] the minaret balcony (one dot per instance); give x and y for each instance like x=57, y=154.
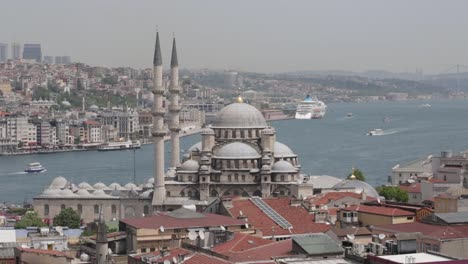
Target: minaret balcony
x=159, y=133
x=174, y=128
x=158, y=112
x=174, y=89
x=174, y=108
x=158, y=91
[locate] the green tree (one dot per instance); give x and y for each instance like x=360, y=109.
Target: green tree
x=67, y=217
x=393, y=193
x=358, y=173
x=30, y=219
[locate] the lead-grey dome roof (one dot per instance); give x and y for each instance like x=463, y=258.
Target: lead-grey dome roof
x=190, y=165
x=359, y=186
x=237, y=150
x=281, y=150
x=58, y=183
x=239, y=115
x=283, y=166
x=85, y=186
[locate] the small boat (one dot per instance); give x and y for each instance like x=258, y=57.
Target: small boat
x=424, y=105
x=120, y=145
x=349, y=115
x=34, y=167
x=375, y=132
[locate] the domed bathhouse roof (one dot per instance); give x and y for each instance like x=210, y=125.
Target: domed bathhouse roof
x=66, y=193
x=358, y=186
x=85, y=186
x=281, y=150
x=100, y=193
x=58, y=183
x=190, y=165
x=116, y=186
x=239, y=115
x=236, y=150
x=51, y=192
x=131, y=186
x=100, y=186
x=83, y=193
x=283, y=166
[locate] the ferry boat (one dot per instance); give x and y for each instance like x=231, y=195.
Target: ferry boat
x=311, y=109
x=349, y=115
x=34, y=167
x=376, y=132
x=120, y=145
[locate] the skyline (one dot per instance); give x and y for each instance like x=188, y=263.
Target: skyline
x=319, y=36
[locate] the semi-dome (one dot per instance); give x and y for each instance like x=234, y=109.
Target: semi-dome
x=50, y=192
x=58, y=183
x=281, y=150
x=207, y=131
x=147, y=193
x=239, y=115
x=359, y=186
x=190, y=165
x=130, y=186
x=195, y=147
x=237, y=150
x=99, y=193
x=283, y=166
x=83, y=193
x=85, y=186
x=100, y=186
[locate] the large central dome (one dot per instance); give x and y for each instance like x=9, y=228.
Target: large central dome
x=239, y=115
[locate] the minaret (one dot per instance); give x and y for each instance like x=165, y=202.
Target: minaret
x=174, y=108
x=101, y=240
x=159, y=132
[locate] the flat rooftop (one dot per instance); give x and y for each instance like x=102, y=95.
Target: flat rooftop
x=416, y=257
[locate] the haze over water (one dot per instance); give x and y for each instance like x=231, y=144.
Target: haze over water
x=330, y=146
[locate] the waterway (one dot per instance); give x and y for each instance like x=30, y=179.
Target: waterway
x=329, y=146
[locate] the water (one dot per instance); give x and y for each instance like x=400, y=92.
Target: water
x=330, y=146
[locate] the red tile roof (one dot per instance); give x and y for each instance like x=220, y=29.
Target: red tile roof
x=438, y=231
x=241, y=242
x=204, y=259
x=378, y=210
x=301, y=220
x=45, y=252
x=175, y=252
x=262, y=253
x=413, y=188
x=330, y=197
x=155, y=221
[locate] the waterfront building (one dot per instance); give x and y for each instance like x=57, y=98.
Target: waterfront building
x=16, y=51
x=32, y=52
x=3, y=52
x=364, y=215
x=416, y=171
x=125, y=122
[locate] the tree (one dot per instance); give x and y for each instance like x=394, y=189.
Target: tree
x=67, y=217
x=30, y=219
x=358, y=173
x=393, y=193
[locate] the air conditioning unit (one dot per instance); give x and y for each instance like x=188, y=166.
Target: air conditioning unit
x=373, y=248
x=389, y=246
x=375, y=238
x=379, y=249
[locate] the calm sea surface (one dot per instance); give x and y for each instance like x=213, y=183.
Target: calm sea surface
x=330, y=146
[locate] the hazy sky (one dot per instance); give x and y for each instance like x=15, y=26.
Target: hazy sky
x=263, y=36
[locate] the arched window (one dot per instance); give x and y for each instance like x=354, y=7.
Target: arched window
x=236, y=177
x=225, y=134
x=145, y=210
x=80, y=209
x=245, y=194
x=229, y=178
x=281, y=192
x=234, y=134
x=62, y=207
x=197, y=194
x=236, y=192
x=242, y=133
x=168, y=194
x=214, y=193
x=114, y=209
x=96, y=209
x=189, y=193
x=282, y=178
x=46, y=209
x=190, y=178
x=243, y=177
x=182, y=194
x=250, y=133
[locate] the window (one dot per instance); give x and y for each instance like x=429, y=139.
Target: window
x=409, y=218
x=242, y=133
x=182, y=194
x=152, y=249
x=243, y=178
x=190, y=178
x=46, y=210
x=229, y=178
x=236, y=177
x=189, y=193
x=282, y=177
x=168, y=194
x=62, y=207
x=445, y=177
x=203, y=178
x=234, y=134
x=281, y=193
x=250, y=133
x=96, y=209
x=145, y=210
x=236, y=192
x=265, y=178
x=113, y=209
x=143, y=250
x=80, y=209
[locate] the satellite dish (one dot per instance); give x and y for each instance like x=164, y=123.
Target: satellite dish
x=167, y=262
x=201, y=234
x=240, y=212
x=192, y=235
x=223, y=228
x=59, y=230
x=109, y=251
x=161, y=228
x=350, y=237
x=143, y=215
x=246, y=225
x=174, y=259
x=381, y=236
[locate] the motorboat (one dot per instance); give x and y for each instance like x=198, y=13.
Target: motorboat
x=34, y=167
x=376, y=132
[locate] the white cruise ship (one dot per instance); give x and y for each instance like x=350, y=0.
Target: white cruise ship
x=311, y=109
x=121, y=145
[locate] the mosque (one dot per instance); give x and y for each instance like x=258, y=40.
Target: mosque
x=238, y=155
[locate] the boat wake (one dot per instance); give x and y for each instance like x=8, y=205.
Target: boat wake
x=14, y=173
x=389, y=132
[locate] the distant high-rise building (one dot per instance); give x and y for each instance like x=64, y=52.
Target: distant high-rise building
x=16, y=51
x=49, y=59
x=66, y=59
x=32, y=52
x=3, y=52
x=58, y=59
x=230, y=79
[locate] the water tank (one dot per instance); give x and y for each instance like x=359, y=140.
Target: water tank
x=84, y=257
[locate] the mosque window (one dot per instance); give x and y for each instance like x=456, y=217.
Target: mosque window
x=197, y=194
x=46, y=209
x=189, y=193
x=236, y=192
x=114, y=209
x=62, y=207
x=226, y=134
x=80, y=208
x=145, y=210
x=236, y=164
x=282, y=177
x=190, y=178
x=236, y=177
x=229, y=178
x=203, y=178
x=265, y=178
x=96, y=209
x=234, y=133
x=281, y=193
x=250, y=133
x=243, y=178
x=242, y=133
x=168, y=194
x=182, y=193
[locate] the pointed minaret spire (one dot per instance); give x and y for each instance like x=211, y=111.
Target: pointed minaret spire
x=157, y=61
x=174, y=62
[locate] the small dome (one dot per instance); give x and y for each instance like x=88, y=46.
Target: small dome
x=94, y=107
x=204, y=168
x=85, y=186
x=83, y=193
x=283, y=166
x=236, y=150
x=115, y=186
x=100, y=186
x=205, y=158
x=147, y=194
x=151, y=180
x=239, y=115
x=267, y=131
x=51, y=192
x=359, y=187
x=99, y=193
x=58, y=183
x=265, y=167
x=66, y=103
x=207, y=131
x=190, y=165
x=130, y=186
x=196, y=147
x=66, y=193
x=171, y=173
x=281, y=150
